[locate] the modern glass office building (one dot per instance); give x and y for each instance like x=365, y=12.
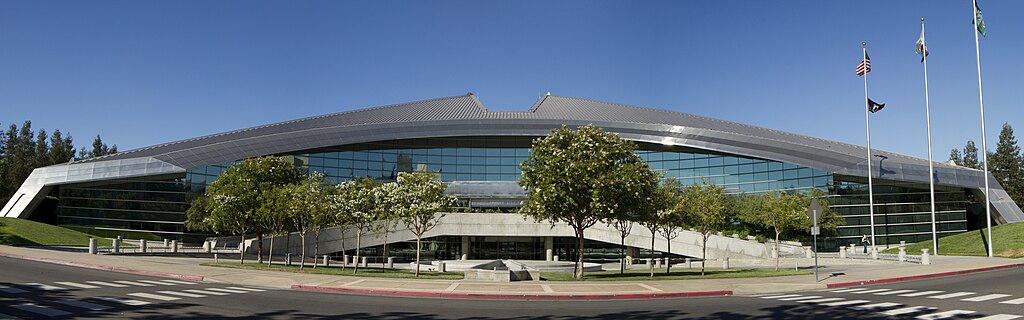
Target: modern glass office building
x=478, y=151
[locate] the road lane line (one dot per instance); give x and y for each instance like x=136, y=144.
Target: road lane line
x=986, y=297
x=847, y=290
x=159, y=282
x=872, y=291
x=944, y=315
x=780, y=296
x=952, y=295
x=247, y=289
x=822, y=300
x=82, y=304
x=880, y=305
x=130, y=302
x=1014, y=301
x=799, y=298
x=134, y=283
x=6, y=289
x=894, y=292
x=153, y=296
x=41, y=286
x=104, y=283
x=922, y=293
x=183, y=294
x=212, y=293
x=177, y=281
x=76, y=285
x=999, y=317
x=38, y=309
x=844, y=303
x=901, y=311
x=227, y=290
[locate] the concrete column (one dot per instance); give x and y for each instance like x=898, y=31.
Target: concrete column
x=288, y=259
x=142, y=245
x=117, y=245
x=391, y=262
x=725, y=263
x=365, y=262
x=925, y=259
x=174, y=246
x=903, y=254
x=344, y=260
x=549, y=248
x=327, y=261
x=92, y=245
x=465, y=247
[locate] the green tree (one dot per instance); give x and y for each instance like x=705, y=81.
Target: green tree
x=422, y=205
x=1007, y=164
x=634, y=205
x=62, y=148
x=956, y=157
x=233, y=201
x=572, y=176
x=779, y=212
x=274, y=216
x=704, y=209
x=385, y=197
x=665, y=197
x=310, y=210
x=353, y=204
x=971, y=156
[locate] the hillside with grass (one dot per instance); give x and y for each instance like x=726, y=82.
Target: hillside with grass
x=1007, y=240
x=21, y=232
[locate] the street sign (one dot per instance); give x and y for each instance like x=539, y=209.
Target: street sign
x=813, y=211
x=815, y=230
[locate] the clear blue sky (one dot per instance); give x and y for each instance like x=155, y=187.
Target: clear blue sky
x=143, y=72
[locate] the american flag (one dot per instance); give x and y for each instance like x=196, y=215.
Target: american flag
x=864, y=66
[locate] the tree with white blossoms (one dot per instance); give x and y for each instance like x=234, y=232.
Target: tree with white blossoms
x=672, y=222
x=353, y=203
x=703, y=207
x=274, y=216
x=421, y=205
x=634, y=203
x=309, y=208
x=385, y=197
x=574, y=176
x=664, y=197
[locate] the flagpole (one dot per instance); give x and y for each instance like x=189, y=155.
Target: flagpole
x=867, y=127
x=928, y=116
x=984, y=144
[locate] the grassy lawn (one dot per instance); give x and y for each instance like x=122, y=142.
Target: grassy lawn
x=371, y=271
x=688, y=274
x=103, y=233
x=1007, y=241
x=21, y=232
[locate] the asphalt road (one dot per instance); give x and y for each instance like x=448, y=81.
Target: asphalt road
x=33, y=290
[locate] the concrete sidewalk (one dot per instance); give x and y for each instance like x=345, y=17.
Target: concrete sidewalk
x=191, y=268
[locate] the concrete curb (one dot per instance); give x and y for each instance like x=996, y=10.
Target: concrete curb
x=923, y=276
x=514, y=296
x=107, y=268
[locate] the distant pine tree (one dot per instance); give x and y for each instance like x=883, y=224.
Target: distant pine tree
x=1007, y=164
x=971, y=156
x=955, y=157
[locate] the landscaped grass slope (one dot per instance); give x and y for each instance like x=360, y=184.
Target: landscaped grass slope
x=1007, y=240
x=21, y=232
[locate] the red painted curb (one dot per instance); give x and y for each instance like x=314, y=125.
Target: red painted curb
x=923, y=276
x=514, y=296
x=108, y=268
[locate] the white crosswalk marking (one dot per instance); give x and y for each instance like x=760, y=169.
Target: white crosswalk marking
x=780, y=296
x=822, y=300
x=6, y=289
x=83, y=305
x=108, y=284
x=914, y=309
x=893, y=292
x=183, y=294
x=921, y=293
x=38, y=309
x=1000, y=317
x=952, y=295
x=76, y=285
x=159, y=282
x=945, y=314
x=873, y=291
x=153, y=296
x=849, y=289
x=856, y=290
x=125, y=301
x=133, y=283
x=41, y=286
x=1014, y=301
x=240, y=291
x=987, y=297
x=799, y=298
x=844, y=303
x=212, y=293
x=880, y=305
x=177, y=281
x=247, y=289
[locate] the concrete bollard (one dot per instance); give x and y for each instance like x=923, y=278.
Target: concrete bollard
x=92, y=245
x=775, y=253
x=903, y=254
x=668, y=262
x=657, y=263
x=365, y=262
x=327, y=261
x=649, y=261
x=725, y=263
x=689, y=263
x=216, y=259
x=442, y=267
x=344, y=260
x=288, y=259
x=142, y=245
x=465, y=256
x=874, y=253
x=207, y=247
x=842, y=253
x=165, y=243
x=391, y=262
x=629, y=260
x=117, y=245
x=903, y=243
x=174, y=246
x=925, y=259
x=554, y=258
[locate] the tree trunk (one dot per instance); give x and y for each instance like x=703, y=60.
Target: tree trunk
x=668, y=255
x=579, y=254
x=778, y=254
x=302, y=256
x=417, y=256
x=241, y=251
x=270, y=255
x=359, y=236
x=259, y=247
x=653, y=235
x=622, y=264
x=316, y=247
x=703, y=253
x=384, y=257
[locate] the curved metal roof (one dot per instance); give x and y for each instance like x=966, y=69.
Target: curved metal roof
x=464, y=115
